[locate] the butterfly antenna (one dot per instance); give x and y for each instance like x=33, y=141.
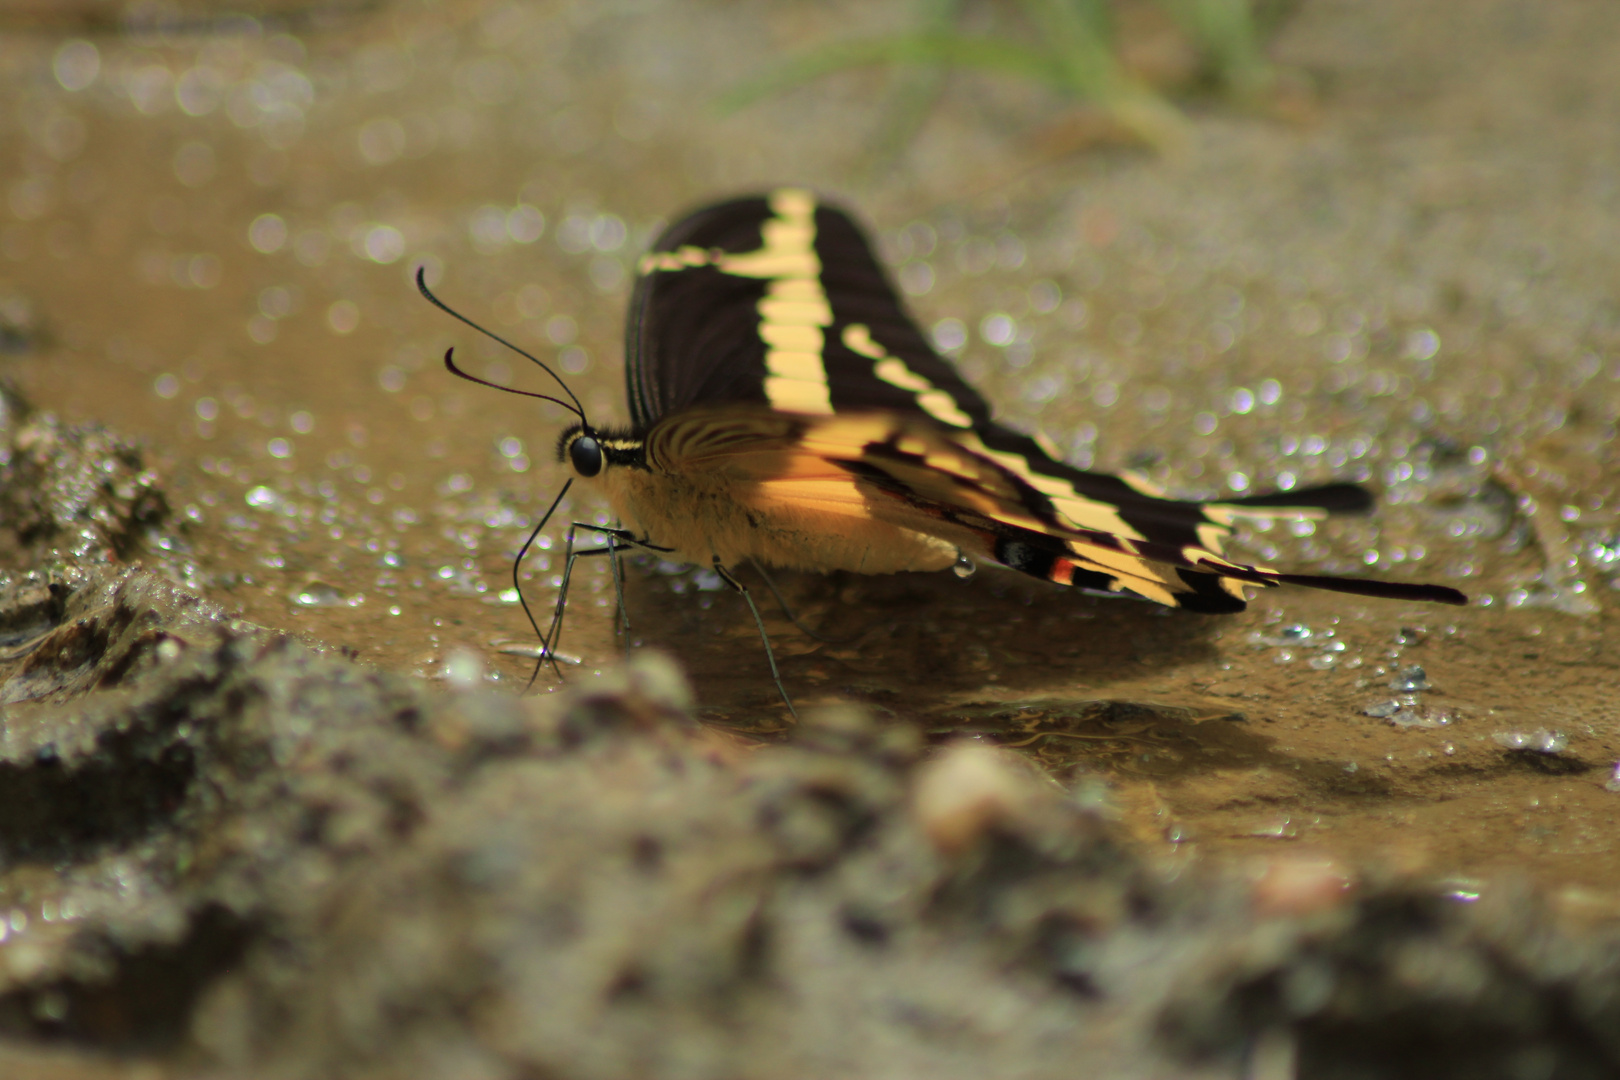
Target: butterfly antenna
x=450, y=363
x=576, y=407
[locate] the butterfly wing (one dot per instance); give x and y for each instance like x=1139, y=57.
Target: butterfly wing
x=777, y=304
x=778, y=301
x=693, y=333
x=849, y=470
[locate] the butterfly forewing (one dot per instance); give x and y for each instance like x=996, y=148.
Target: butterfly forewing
x=693, y=334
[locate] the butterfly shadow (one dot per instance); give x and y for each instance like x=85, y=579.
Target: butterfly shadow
x=915, y=645
x=1081, y=684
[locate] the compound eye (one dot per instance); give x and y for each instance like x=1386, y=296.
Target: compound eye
x=585, y=454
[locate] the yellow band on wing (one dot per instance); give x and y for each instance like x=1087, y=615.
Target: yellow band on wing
x=894, y=371
x=794, y=311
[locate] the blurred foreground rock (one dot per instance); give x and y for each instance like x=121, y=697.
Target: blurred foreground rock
x=227, y=854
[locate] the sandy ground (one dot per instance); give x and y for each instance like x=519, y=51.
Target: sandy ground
x=205, y=246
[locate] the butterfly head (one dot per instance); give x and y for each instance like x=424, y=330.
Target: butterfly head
x=589, y=451
x=583, y=450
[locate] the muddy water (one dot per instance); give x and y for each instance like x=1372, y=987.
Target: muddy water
x=208, y=238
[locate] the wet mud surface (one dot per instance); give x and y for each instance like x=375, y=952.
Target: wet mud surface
x=270, y=803
x=230, y=853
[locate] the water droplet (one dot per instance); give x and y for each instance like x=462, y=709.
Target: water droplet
x=1420, y=716
x=320, y=594
x=1281, y=827
x=949, y=335
x=1294, y=634
x=1540, y=741
x=1410, y=680
x=76, y=65
x=964, y=567
x=998, y=329
x=1422, y=344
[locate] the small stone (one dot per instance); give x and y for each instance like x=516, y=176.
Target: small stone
x=463, y=669
x=658, y=678
x=965, y=792
x=1300, y=884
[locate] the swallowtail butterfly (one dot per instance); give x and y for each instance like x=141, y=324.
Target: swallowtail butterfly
x=786, y=410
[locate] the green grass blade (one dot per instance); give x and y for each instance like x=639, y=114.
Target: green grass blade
x=954, y=50
x=1229, y=33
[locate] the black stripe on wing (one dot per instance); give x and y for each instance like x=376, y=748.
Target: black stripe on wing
x=876, y=356
x=693, y=334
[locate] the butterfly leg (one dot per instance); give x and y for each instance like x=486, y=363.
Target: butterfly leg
x=617, y=541
x=788, y=611
x=770, y=654
x=553, y=635
x=623, y=613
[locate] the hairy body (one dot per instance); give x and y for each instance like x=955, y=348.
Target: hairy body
x=816, y=518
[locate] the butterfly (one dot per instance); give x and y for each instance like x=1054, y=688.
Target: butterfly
x=787, y=411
